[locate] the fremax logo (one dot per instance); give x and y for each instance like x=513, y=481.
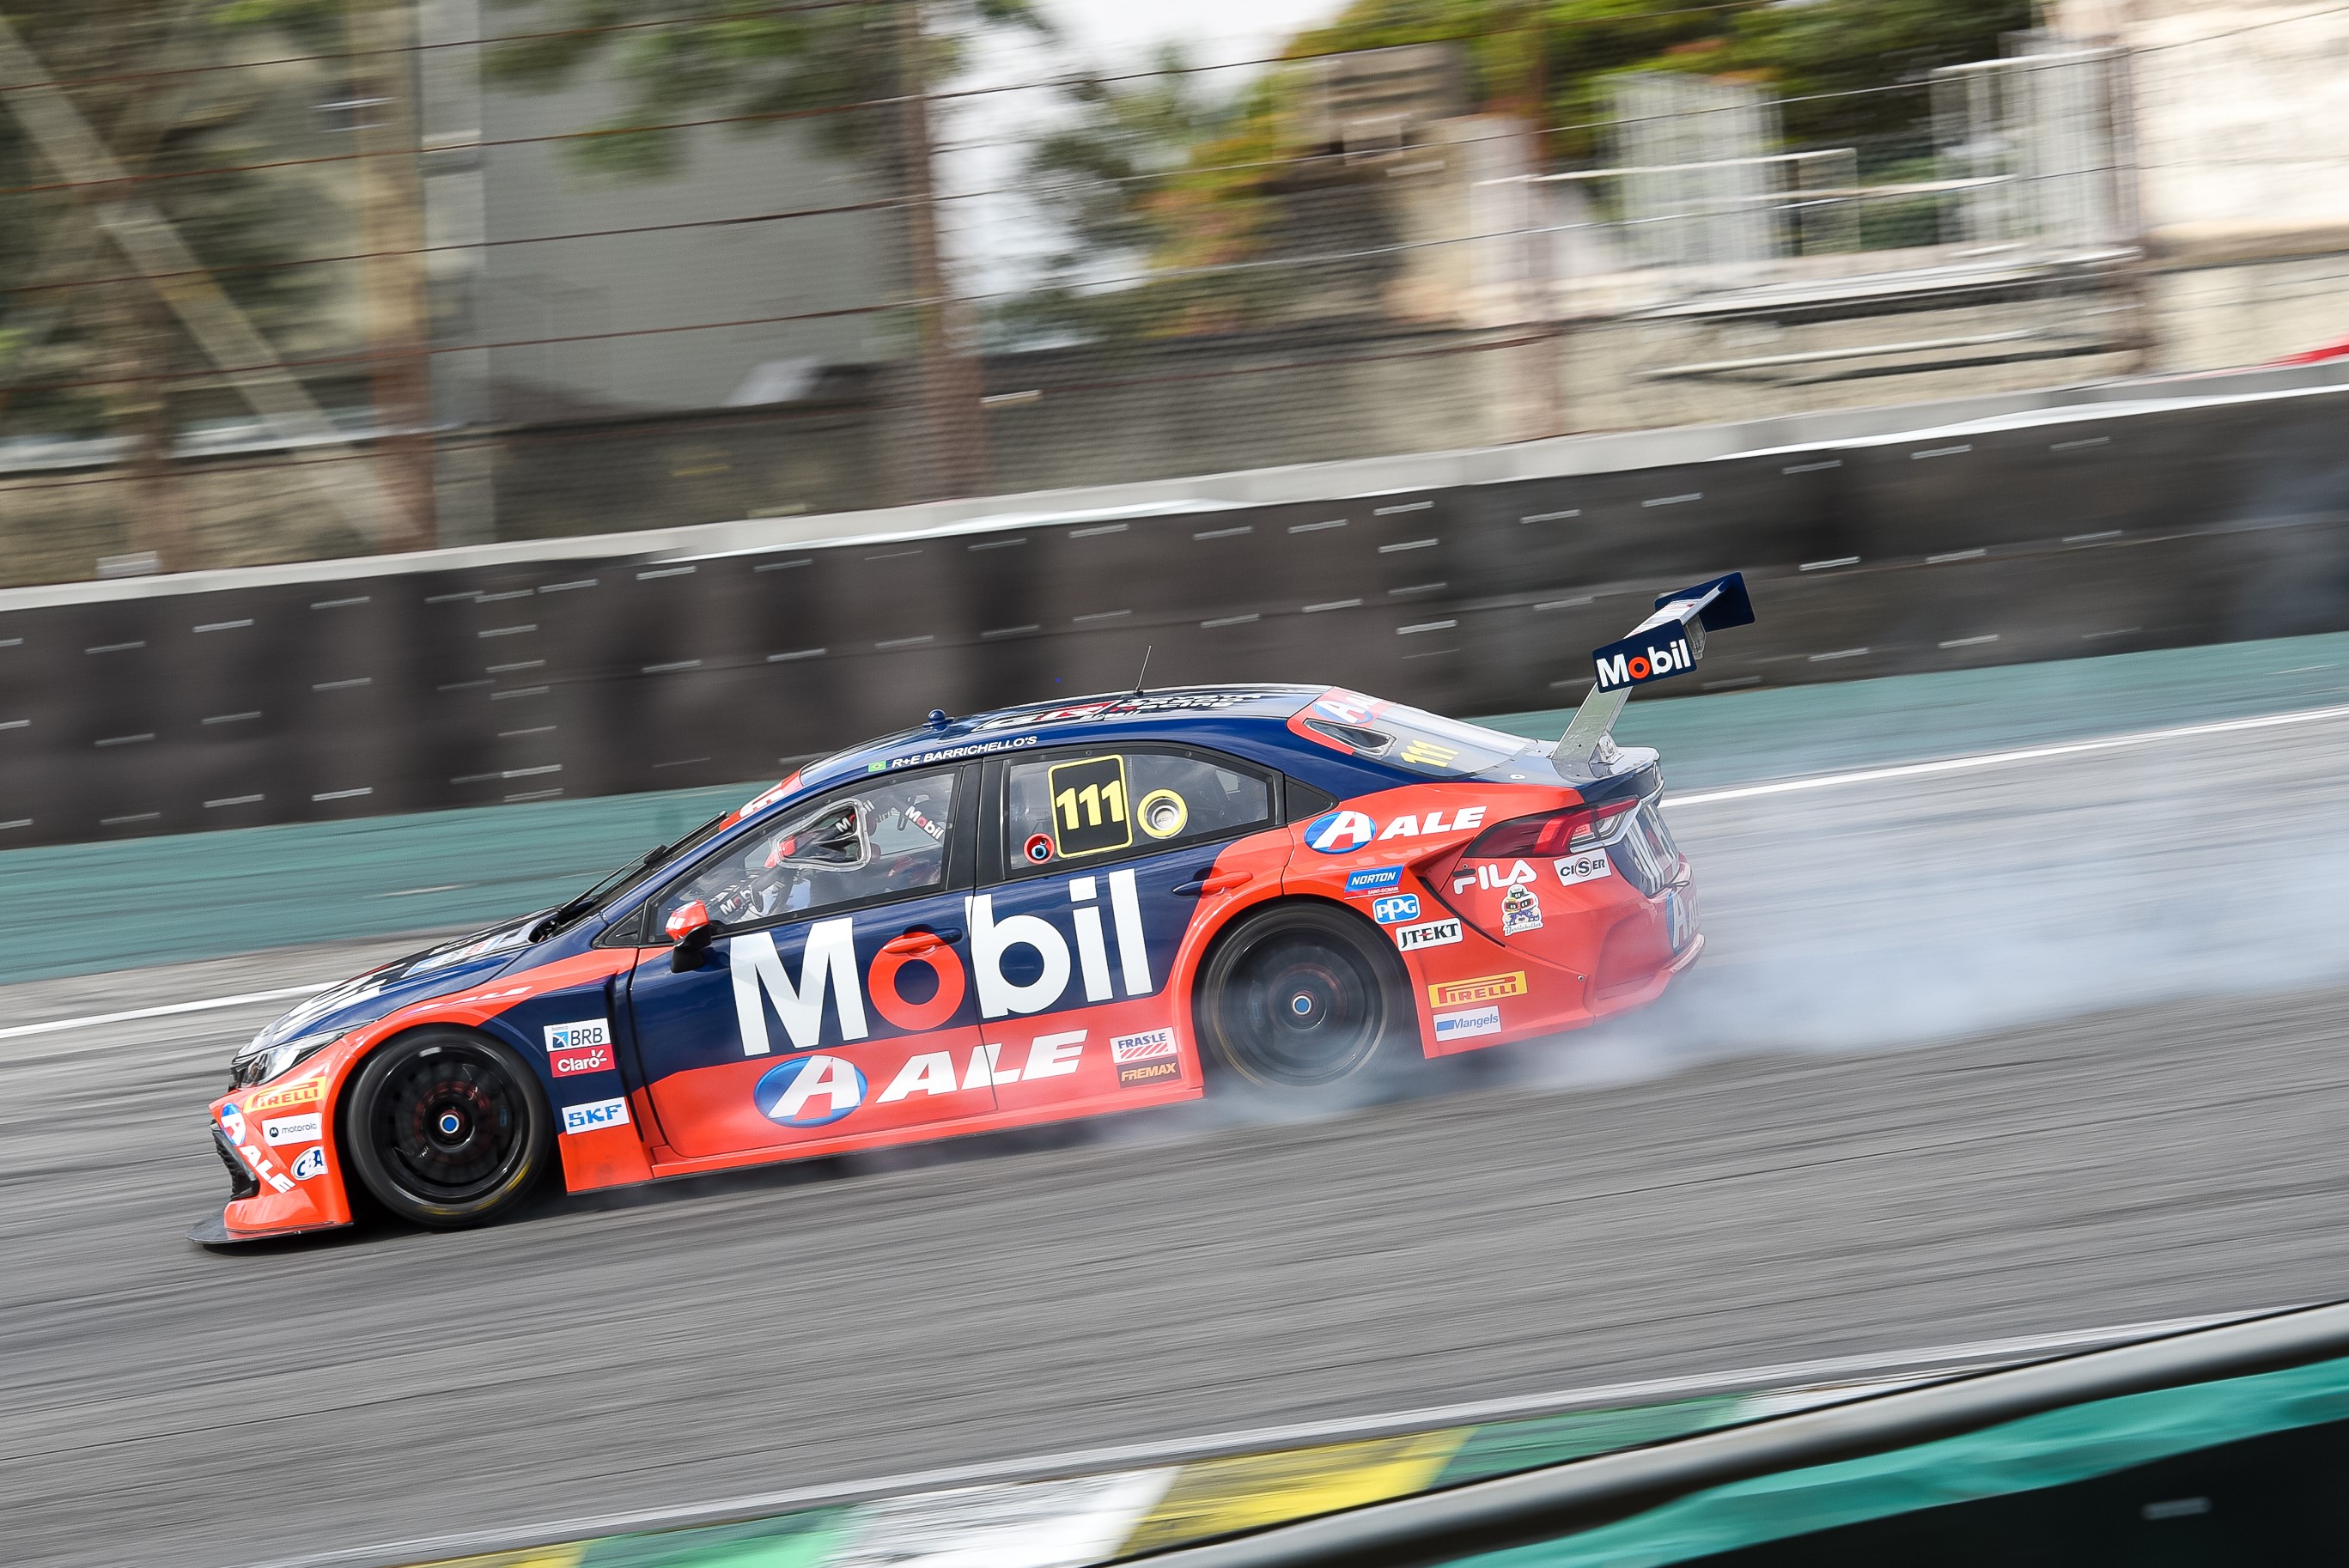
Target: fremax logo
x=1619, y=667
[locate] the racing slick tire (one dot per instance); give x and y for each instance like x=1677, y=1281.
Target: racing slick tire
x=1302, y=999
x=446, y=1127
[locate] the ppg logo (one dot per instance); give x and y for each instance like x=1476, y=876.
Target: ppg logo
x=1395, y=909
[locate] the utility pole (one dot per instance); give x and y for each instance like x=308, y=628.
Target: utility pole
x=951, y=384
x=392, y=240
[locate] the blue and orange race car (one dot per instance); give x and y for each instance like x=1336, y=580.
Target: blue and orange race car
x=994, y=922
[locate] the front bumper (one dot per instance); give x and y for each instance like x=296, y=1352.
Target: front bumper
x=257, y=1211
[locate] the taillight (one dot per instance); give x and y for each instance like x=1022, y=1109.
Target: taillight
x=1552, y=833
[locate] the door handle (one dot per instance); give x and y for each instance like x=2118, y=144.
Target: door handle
x=920, y=940
x=1212, y=881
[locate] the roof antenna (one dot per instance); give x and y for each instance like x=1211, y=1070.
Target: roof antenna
x=1145, y=668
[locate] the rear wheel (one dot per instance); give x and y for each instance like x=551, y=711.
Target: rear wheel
x=1302, y=999
x=446, y=1127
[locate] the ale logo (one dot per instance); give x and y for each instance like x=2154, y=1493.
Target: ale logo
x=810, y=1091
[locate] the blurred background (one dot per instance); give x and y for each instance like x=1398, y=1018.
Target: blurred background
x=291, y=279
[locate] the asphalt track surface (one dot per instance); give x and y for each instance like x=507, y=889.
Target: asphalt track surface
x=2026, y=1049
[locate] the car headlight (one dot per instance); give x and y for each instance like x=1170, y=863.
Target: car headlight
x=258, y=1063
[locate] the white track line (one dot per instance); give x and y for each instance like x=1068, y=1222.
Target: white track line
x=1707, y=797
x=1859, y=1374
x=206, y=1006
x=2001, y=759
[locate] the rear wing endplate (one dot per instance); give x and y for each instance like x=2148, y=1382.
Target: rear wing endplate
x=1663, y=646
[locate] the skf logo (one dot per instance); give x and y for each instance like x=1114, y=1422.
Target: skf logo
x=1486, y=988
x=1343, y=833
x=1629, y=664
x=597, y=1114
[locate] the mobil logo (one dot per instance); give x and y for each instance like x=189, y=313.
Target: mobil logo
x=1395, y=908
x=1634, y=660
x=1342, y=832
x=810, y=1091
x=1019, y=963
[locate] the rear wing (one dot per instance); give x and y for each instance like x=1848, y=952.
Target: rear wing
x=1663, y=646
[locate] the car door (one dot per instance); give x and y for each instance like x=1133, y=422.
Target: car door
x=1103, y=856
x=831, y=1001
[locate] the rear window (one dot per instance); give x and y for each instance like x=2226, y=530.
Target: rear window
x=1419, y=741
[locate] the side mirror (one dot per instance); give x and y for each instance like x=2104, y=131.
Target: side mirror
x=689, y=927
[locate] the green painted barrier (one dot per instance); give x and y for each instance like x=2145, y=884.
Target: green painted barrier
x=83, y=908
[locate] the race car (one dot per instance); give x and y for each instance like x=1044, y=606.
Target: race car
x=992, y=921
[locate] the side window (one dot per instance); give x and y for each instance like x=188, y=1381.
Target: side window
x=1103, y=804
x=887, y=839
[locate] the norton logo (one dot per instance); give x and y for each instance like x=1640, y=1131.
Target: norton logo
x=1621, y=669
x=810, y=1091
x=1343, y=833
x=763, y=978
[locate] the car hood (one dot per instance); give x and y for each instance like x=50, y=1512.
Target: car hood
x=435, y=971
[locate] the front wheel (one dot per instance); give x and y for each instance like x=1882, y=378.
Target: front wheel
x=1302, y=999
x=446, y=1127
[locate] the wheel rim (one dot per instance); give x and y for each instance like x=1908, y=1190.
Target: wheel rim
x=451, y=1125
x=1302, y=1010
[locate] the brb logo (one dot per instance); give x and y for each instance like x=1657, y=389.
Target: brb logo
x=1343, y=833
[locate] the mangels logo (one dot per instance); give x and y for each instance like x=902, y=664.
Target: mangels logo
x=1635, y=660
x=827, y=969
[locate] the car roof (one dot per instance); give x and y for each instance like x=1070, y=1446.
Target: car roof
x=1262, y=708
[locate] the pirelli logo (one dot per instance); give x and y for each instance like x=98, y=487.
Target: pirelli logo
x=1486, y=988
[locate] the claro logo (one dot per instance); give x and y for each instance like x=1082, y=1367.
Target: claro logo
x=828, y=969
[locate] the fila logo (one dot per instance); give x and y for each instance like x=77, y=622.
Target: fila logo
x=1343, y=833
x=1652, y=663
x=1488, y=875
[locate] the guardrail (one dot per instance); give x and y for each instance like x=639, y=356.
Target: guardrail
x=1147, y=1497
x=617, y=665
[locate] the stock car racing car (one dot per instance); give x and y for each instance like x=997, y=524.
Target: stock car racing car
x=991, y=922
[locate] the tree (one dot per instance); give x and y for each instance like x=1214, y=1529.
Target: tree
x=1153, y=177
x=858, y=76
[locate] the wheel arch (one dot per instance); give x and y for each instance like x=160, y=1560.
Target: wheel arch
x=1397, y=972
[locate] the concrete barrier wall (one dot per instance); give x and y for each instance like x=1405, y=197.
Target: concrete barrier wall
x=471, y=680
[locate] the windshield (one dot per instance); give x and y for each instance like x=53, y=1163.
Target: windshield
x=1410, y=738
x=624, y=879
